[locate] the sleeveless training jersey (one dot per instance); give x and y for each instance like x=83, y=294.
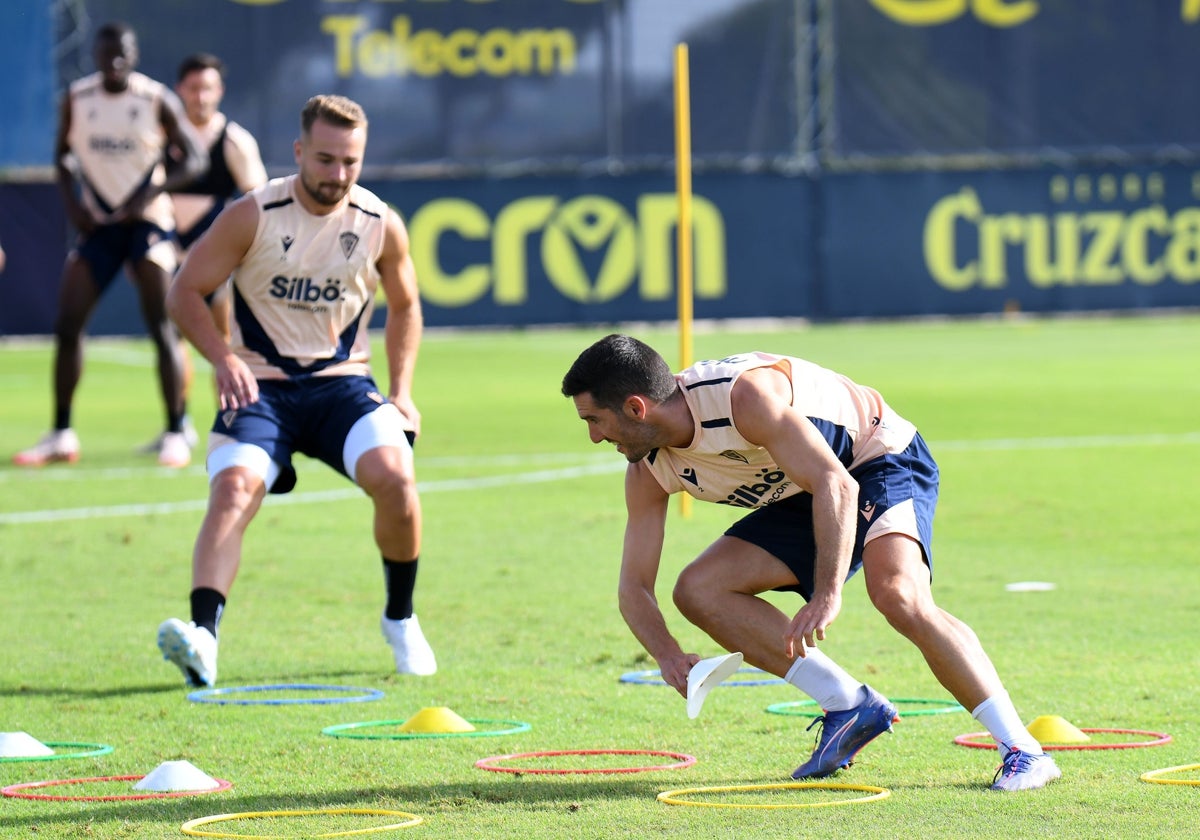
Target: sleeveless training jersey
x=234, y=166
x=118, y=141
x=722, y=466
x=303, y=295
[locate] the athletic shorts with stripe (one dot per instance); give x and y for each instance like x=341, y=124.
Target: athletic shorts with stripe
x=334, y=419
x=896, y=494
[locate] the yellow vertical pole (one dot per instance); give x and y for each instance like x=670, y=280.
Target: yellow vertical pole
x=683, y=231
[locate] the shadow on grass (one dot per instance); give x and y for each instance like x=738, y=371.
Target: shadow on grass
x=98, y=693
x=171, y=684
x=423, y=800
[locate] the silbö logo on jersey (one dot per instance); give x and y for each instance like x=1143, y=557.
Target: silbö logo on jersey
x=773, y=485
x=304, y=293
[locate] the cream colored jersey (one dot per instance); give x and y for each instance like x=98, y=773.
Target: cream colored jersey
x=303, y=295
x=722, y=466
x=117, y=140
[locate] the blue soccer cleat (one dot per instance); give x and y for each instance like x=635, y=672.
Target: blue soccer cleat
x=844, y=733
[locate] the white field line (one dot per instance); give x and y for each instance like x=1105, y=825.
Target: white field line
x=302, y=466
x=448, y=485
x=597, y=467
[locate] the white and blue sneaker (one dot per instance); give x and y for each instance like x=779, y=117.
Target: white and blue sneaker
x=844, y=733
x=190, y=648
x=1025, y=771
x=412, y=653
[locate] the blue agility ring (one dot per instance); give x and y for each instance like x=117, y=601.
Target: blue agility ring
x=654, y=677
x=220, y=696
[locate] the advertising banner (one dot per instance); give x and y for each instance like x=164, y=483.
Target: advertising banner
x=579, y=250
x=1008, y=76
x=1042, y=240
x=459, y=84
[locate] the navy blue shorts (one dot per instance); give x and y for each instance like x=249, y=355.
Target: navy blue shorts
x=896, y=494
x=107, y=247
x=312, y=416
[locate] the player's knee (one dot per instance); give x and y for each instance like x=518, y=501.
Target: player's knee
x=235, y=492
x=902, y=605
x=691, y=592
x=391, y=489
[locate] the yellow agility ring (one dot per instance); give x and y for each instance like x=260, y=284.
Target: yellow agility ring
x=671, y=797
x=1154, y=776
x=191, y=826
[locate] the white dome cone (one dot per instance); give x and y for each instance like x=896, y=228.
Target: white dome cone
x=177, y=775
x=22, y=745
x=705, y=675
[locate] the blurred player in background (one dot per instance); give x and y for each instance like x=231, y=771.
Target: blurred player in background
x=115, y=128
x=306, y=254
x=234, y=167
x=833, y=480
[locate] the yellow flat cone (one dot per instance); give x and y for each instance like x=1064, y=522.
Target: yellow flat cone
x=436, y=719
x=1052, y=729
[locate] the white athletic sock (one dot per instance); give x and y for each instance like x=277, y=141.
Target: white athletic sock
x=999, y=715
x=823, y=680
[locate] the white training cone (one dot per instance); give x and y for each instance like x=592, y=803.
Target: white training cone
x=22, y=745
x=705, y=675
x=176, y=775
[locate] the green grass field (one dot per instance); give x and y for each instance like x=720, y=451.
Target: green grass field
x=1069, y=453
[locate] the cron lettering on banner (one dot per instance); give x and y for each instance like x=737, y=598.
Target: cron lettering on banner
x=626, y=250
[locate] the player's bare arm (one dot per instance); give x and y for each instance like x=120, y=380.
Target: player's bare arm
x=646, y=512
x=193, y=158
x=209, y=263
x=402, y=332
x=764, y=414
x=76, y=214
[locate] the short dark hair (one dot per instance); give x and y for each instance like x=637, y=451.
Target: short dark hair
x=115, y=30
x=617, y=367
x=200, y=61
x=336, y=110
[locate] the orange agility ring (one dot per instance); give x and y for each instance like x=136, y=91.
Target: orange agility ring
x=673, y=797
x=972, y=739
x=1155, y=776
x=682, y=761
x=17, y=791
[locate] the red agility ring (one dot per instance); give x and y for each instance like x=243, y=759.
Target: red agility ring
x=1160, y=738
x=683, y=760
x=15, y=790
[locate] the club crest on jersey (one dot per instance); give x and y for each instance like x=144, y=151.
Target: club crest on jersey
x=349, y=242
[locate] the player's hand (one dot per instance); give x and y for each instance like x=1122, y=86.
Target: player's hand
x=80, y=218
x=409, y=409
x=810, y=623
x=675, y=670
x=133, y=209
x=236, y=385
